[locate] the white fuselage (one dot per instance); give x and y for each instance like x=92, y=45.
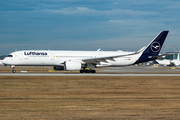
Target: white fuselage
x=164, y=62
x=57, y=58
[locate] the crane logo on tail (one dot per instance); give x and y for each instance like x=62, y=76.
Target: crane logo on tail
x=155, y=47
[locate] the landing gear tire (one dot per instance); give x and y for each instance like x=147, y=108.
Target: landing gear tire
x=82, y=71
x=93, y=71
x=87, y=71
x=14, y=71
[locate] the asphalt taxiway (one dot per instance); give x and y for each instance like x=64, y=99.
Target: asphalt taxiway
x=116, y=71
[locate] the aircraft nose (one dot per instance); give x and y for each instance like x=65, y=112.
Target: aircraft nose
x=5, y=61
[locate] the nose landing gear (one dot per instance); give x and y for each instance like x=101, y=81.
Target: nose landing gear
x=14, y=71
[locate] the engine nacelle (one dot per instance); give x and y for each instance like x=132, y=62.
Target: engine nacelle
x=58, y=67
x=72, y=65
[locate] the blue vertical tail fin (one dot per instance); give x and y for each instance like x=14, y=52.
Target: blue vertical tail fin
x=152, y=50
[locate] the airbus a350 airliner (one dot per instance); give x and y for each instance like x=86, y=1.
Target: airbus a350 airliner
x=81, y=60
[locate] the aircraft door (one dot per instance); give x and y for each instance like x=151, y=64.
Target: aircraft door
x=20, y=56
x=52, y=56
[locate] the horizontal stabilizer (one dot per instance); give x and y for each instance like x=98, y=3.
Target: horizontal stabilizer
x=160, y=56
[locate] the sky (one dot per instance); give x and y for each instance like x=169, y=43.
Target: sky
x=126, y=25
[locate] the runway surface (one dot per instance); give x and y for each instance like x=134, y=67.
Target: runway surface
x=116, y=71
x=78, y=74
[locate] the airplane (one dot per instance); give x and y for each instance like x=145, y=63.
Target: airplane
x=86, y=61
x=173, y=60
x=163, y=62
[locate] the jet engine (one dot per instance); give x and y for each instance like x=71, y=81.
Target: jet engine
x=72, y=65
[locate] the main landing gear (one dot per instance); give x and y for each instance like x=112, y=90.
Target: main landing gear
x=87, y=71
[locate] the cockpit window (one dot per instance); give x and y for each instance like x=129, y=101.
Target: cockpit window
x=10, y=56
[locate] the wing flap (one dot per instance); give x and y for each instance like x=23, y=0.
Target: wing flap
x=104, y=59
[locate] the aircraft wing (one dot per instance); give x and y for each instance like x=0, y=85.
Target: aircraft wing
x=103, y=59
